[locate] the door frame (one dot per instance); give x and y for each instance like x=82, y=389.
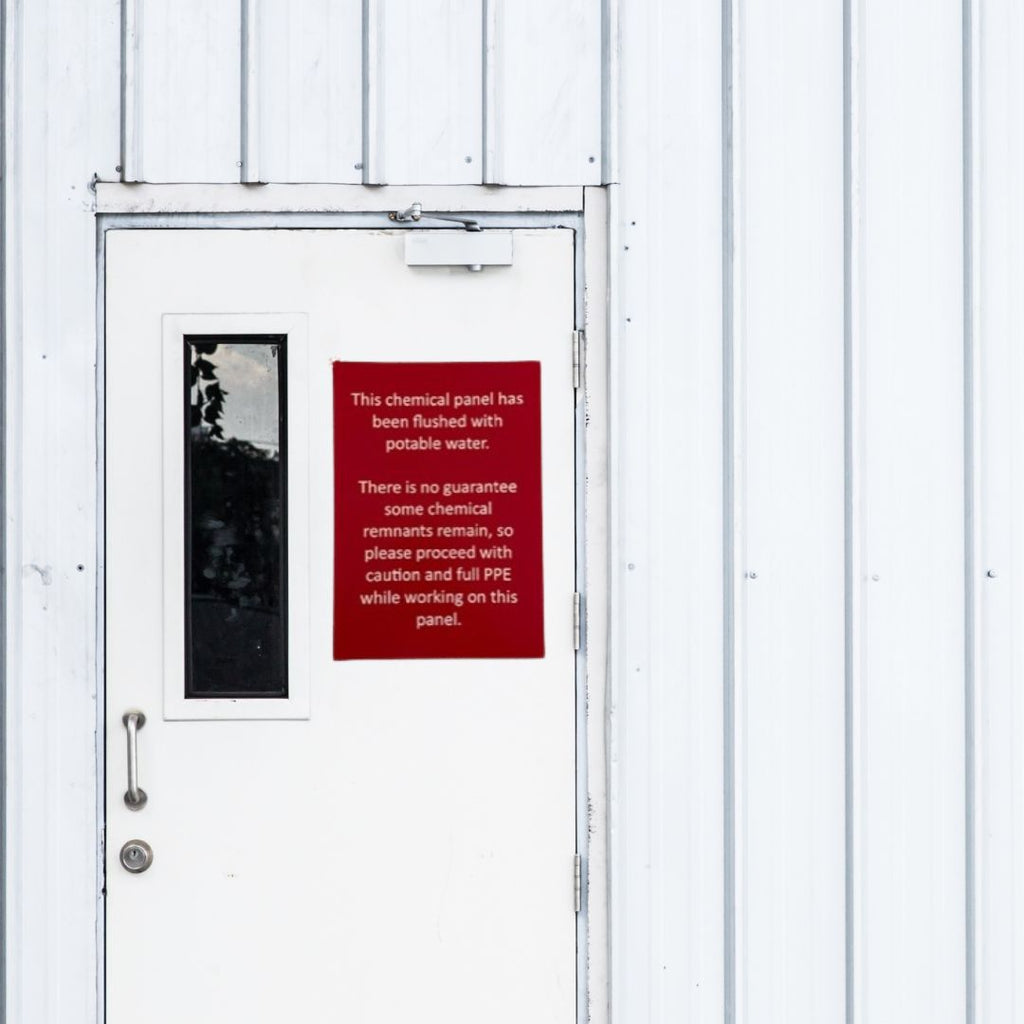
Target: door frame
x=584, y=212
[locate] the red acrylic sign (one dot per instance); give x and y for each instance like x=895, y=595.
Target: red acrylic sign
x=437, y=491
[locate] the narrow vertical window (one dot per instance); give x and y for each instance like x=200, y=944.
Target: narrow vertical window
x=235, y=528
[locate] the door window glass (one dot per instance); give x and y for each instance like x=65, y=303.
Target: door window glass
x=235, y=529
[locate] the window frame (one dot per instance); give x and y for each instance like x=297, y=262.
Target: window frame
x=295, y=704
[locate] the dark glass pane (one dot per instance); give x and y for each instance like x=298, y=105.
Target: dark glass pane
x=235, y=501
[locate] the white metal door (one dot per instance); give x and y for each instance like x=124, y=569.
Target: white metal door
x=394, y=839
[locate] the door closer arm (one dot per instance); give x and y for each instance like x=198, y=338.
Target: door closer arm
x=415, y=213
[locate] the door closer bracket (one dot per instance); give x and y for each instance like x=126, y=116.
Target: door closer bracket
x=474, y=250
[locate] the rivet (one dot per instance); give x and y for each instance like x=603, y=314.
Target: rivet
x=991, y=574
x=751, y=575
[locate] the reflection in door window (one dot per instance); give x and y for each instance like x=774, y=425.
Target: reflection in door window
x=235, y=501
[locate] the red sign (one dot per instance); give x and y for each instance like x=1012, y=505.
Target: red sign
x=437, y=536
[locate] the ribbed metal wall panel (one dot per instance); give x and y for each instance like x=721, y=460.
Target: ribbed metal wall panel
x=864, y=189
x=60, y=126
x=309, y=91
x=908, y=442
x=373, y=91
x=666, y=845
x=787, y=400
x=998, y=317
x=543, y=92
x=425, y=82
x=182, y=83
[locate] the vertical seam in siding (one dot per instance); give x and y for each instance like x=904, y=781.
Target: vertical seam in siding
x=131, y=91
x=970, y=526
x=609, y=91
x=729, y=516
x=848, y=513
x=373, y=172
x=853, y=202
x=11, y=299
x=4, y=562
x=249, y=169
x=489, y=174
x=365, y=86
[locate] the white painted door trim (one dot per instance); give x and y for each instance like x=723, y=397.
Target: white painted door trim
x=592, y=554
x=117, y=198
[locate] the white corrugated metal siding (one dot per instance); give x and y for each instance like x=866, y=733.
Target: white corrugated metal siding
x=60, y=126
x=997, y=314
x=371, y=91
x=817, y=686
x=817, y=452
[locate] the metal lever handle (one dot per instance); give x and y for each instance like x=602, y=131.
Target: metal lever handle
x=135, y=797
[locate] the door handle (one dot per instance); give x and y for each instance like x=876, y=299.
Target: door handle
x=135, y=796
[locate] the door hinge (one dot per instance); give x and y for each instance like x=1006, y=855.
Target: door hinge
x=579, y=340
x=577, y=621
x=577, y=882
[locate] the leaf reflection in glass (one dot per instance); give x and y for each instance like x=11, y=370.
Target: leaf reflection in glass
x=236, y=484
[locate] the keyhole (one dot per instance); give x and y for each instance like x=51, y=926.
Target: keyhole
x=136, y=856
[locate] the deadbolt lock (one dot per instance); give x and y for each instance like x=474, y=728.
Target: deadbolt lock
x=136, y=856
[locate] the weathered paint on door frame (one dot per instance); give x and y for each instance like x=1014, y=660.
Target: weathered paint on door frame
x=589, y=226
